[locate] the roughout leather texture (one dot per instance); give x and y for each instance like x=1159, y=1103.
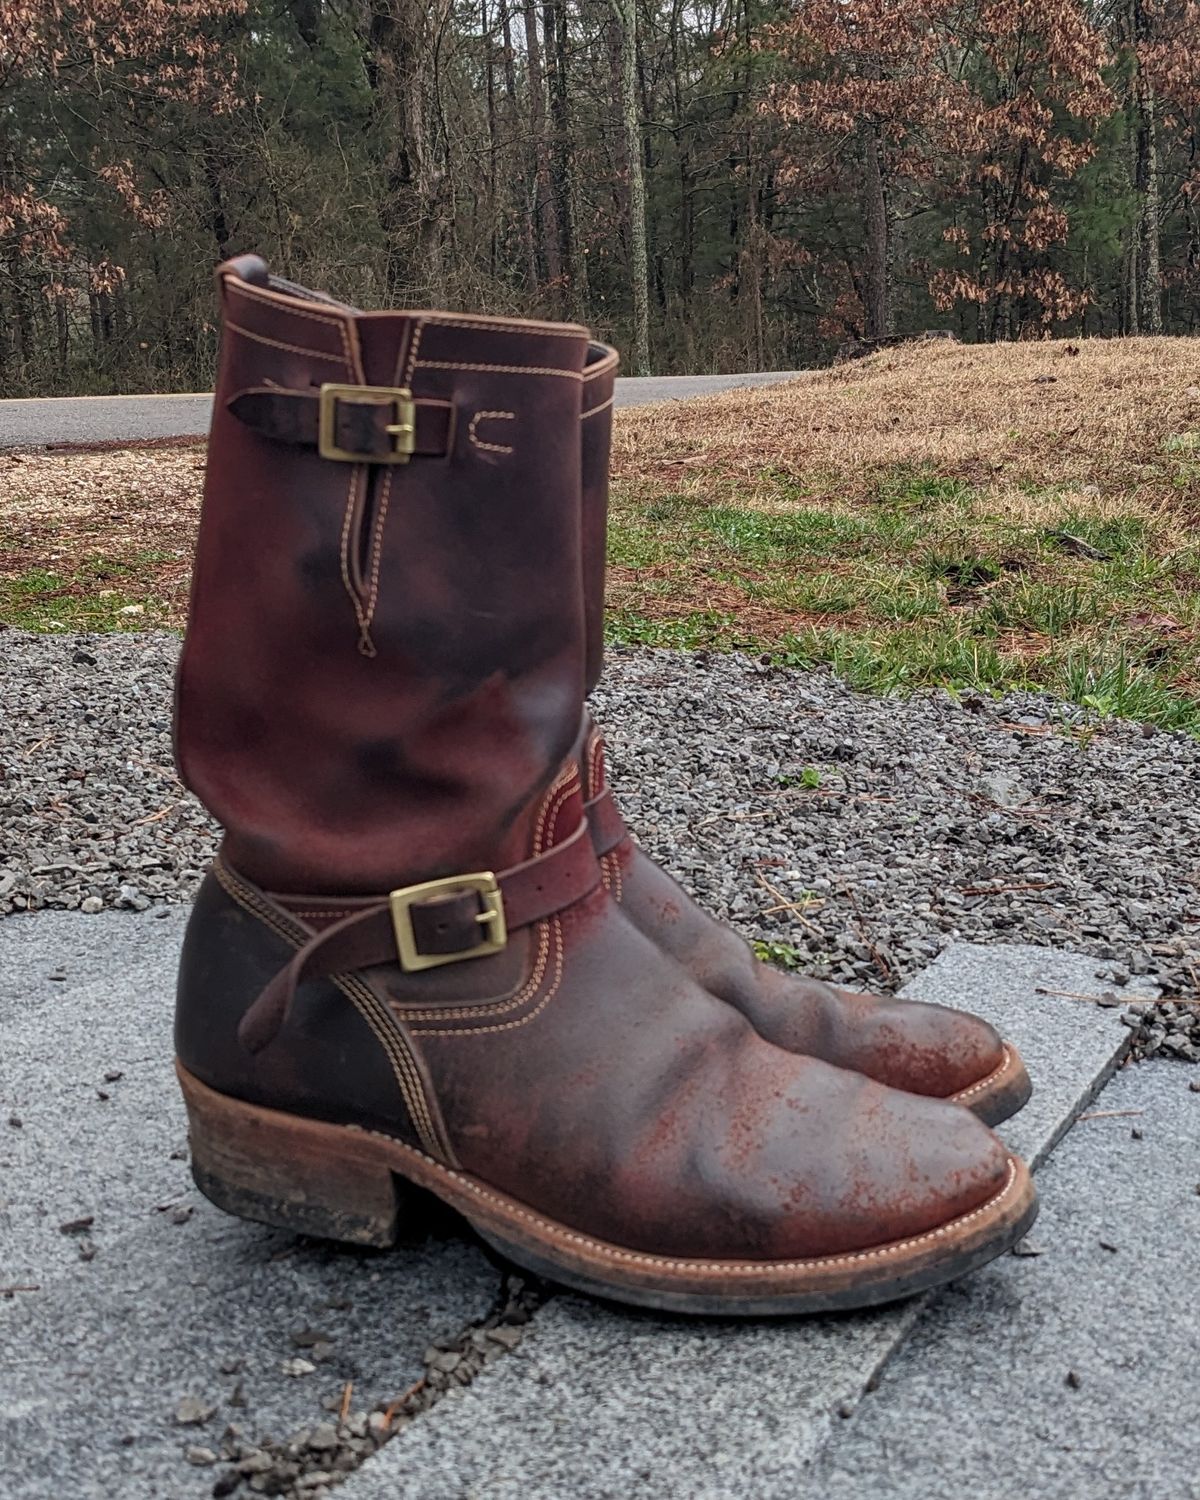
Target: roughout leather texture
x=382, y=684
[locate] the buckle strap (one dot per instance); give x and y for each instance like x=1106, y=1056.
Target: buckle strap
x=362, y=424
x=606, y=823
x=439, y=921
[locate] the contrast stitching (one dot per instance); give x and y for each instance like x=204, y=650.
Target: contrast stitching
x=618, y=878
x=261, y=338
x=451, y=364
x=365, y=643
x=595, y=746
x=494, y=1007
x=984, y=1083
x=371, y=1006
x=518, y=325
x=561, y=789
x=521, y=1020
x=376, y=559
x=498, y=416
x=751, y=1269
x=414, y=346
x=604, y=405
x=408, y=1079
x=279, y=304
x=335, y=320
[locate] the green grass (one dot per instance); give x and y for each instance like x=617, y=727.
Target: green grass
x=97, y=595
x=933, y=582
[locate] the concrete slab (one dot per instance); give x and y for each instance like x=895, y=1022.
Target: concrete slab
x=94, y=1369
x=80, y=949
x=1035, y=997
x=599, y=1402
x=1073, y=1374
x=100, y=1351
x=90, y=1144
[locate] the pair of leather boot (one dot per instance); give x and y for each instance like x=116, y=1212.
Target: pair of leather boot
x=429, y=953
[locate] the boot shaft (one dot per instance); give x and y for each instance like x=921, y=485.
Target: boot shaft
x=385, y=654
x=599, y=380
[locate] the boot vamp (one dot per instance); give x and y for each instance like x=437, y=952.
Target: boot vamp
x=926, y=1049
x=627, y=1103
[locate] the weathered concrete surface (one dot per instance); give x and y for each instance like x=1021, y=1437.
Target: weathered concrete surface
x=123, y=419
x=99, y=1352
x=600, y=1403
x=1075, y=1374
x=596, y=1402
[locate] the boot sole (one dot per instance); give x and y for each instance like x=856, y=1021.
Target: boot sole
x=345, y=1183
x=1001, y=1094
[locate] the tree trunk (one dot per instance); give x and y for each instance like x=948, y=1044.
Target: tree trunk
x=510, y=91
x=489, y=72
x=411, y=204
x=574, y=262
x=626, y=14
x=1148, y=256
x=880, y=250
x=547, y=219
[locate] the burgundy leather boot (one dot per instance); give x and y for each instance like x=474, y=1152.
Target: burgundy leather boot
x=404, y=967
x=927, y=1049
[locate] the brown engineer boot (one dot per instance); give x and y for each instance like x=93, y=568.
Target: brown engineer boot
x=926, y=1049
x=404, y=966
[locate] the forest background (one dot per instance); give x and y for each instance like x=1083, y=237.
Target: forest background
x=735, y=184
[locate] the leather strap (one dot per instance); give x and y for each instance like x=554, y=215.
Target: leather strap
x=446, y=923
x=605, y=821
x=360, y=426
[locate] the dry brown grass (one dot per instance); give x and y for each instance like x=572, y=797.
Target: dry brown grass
x=1005, y=418
x=899, y=517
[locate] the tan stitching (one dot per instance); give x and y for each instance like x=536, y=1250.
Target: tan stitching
x=749, y=1269
x=408, y=1078
x=342, y=323
x=561, y=789
x=595, y=747
x=497, y=416
x=383, y=1026
x=261, y=338
x=521, y=1020
x=413, y=348
x=365, y=643
x=278, y=303
x=618, y=878
x=984, y=1083
x=492, y=1007
x=450, y=364
x=517, y=325
x=604, y=405
x=376, y=558
x=605, y=876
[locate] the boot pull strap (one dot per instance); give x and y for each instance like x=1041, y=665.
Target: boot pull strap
x=360, y=424
x=422, y=926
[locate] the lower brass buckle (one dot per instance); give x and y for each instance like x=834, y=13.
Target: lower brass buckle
x=403, y=431
x=494, y=932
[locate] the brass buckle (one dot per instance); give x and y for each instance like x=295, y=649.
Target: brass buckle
x=491, y=919
x=403, y=430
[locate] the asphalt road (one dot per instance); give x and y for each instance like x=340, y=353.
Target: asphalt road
x=109, y=419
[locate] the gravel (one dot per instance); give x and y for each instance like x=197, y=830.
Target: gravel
x=857, y=835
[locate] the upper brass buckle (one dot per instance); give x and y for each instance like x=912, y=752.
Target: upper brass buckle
x=491, y=919
x=403, y=430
